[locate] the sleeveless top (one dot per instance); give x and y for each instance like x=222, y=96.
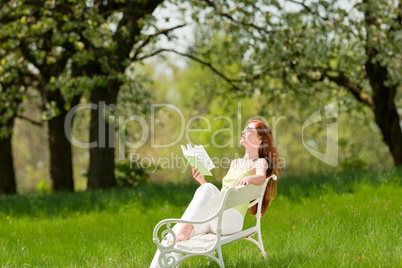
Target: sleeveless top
x=231, y=179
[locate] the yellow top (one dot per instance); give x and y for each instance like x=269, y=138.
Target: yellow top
x=231, y=179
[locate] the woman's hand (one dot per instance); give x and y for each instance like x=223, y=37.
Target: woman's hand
x=198, y=176
x=243, y=181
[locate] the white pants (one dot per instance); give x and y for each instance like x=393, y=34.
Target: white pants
x=205, y=203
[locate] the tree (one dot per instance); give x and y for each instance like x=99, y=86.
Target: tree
x=319, y=46
x=73, y=48
x=10, y=100
x=7, y=115
x=40, y=36
x=121, y=46
x=15, y=83
x=110, y=62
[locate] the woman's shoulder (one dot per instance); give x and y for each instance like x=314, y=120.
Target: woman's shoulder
x=234, y=161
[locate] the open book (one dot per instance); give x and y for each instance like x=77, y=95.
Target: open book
x=198, y=158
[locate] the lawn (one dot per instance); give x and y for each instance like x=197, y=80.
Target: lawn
x=350, y=219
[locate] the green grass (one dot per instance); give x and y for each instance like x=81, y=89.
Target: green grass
x=350, y=219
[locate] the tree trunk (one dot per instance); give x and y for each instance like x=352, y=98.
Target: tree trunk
x=385, y=111
x=61, y=166
x=7, y=175
x=387, y=118
x=101, y=163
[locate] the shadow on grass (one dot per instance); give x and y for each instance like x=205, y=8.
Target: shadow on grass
x=64, y=204
x=153, y=194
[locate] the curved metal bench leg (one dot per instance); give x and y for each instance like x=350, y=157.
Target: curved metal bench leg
x=221, y=263
x=261, y=246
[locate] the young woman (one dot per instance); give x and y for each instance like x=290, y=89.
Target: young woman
x=259, y=162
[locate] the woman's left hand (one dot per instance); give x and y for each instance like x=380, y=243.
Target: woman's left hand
x=243, y=181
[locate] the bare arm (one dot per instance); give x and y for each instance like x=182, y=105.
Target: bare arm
x=260, y=174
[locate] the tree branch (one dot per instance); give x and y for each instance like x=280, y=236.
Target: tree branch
x=149, y=38
x=340, y=79
x=356, y=90
x=166, y=31
x=36, y=123
x=228, y=16
x=308, y=9
x=207, y=64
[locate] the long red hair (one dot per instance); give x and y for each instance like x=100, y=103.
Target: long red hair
x=267, y=150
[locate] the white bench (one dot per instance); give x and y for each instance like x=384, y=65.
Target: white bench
x=210, y=243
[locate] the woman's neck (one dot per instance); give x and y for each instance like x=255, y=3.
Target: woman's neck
x=251, y=155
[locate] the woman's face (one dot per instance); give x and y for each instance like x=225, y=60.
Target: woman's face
x=250, y=137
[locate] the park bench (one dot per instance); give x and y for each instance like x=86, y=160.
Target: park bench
x=210, y=243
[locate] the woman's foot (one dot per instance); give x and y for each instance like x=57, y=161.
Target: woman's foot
x=185, y=232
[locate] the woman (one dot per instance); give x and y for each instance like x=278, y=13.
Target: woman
x=258, y=163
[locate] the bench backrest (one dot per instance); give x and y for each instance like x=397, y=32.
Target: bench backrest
x=242, y=195
x=239, y=195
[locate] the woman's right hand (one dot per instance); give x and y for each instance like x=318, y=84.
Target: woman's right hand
x=198, y=176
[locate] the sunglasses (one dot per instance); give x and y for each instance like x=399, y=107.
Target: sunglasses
x=249, y=129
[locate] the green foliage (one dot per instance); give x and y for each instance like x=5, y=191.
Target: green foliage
x=299, y=43
x=351, y=160
x=70, y=47
x=43, y=188
x=316, y=52
x=13, y=90
x=131, y=174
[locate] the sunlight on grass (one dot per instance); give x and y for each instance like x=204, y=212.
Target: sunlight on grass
x=347, y=219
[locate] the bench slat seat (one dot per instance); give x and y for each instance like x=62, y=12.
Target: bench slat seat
x=210, y=243
x=204, y=242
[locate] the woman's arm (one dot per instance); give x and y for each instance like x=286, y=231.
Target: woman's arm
x=260, y=174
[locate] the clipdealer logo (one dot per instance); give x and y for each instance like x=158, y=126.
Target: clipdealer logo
x=330, y=156
x=119, y=124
